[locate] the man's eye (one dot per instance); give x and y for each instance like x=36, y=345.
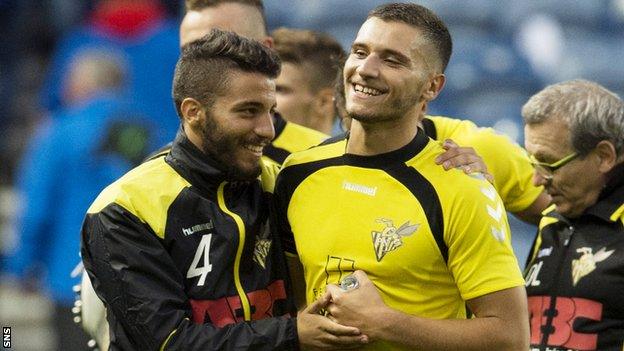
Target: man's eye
x=359, y=53
x=249, y=111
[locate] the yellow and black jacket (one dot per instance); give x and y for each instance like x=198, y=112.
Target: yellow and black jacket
x=183, y=259
x=575, y=276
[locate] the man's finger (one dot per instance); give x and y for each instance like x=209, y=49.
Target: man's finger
x=336, y=329
x=345, y=341
x=318, y=305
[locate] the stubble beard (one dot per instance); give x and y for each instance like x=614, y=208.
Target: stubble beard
x=221, y=148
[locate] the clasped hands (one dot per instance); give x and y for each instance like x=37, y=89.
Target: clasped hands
x=354, y=317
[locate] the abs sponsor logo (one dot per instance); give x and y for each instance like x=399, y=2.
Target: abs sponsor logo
x=229, y=310
x=390, y=238
x=586, y=264
x=198, y=228
x=567, y=314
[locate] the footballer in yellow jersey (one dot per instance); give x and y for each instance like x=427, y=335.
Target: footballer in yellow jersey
x=429, y=239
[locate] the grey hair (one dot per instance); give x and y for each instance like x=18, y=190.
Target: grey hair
x=592, y=112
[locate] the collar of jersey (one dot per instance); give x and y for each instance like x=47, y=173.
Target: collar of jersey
x=612, y=196
x=389, y=159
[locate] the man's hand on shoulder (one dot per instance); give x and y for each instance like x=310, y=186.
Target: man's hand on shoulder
x=464, y=158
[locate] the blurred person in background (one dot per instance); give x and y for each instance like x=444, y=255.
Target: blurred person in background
x=92, y=141
x=305, y=87
x=574, y=132
x=142, y=30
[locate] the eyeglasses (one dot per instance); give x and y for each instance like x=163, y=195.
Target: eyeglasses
x=547, y=170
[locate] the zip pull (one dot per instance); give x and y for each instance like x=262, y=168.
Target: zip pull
x=567, y=235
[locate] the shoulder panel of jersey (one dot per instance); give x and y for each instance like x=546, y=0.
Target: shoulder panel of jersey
x=505, y=160
x=295, y=138
x=270, y=169
x=548, y=218
x=476, y=230
x=147, y=191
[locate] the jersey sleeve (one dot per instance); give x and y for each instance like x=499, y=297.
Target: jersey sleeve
x=510, y=166
x=279, y=213
x=481, y=258
x=140, y=285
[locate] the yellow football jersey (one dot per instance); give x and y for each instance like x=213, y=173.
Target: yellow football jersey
x=429, y=239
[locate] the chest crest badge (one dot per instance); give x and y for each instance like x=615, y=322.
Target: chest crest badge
x=391, y=237
x=262, y=247
x=584, y=265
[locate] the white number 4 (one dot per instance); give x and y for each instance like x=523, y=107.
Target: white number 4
x=202, y=250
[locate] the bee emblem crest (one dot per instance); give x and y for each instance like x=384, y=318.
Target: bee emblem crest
x=584, y=265
x=391, y=237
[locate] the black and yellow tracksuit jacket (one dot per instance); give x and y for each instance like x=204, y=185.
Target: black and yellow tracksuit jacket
x=184, y=260
x=575, y=276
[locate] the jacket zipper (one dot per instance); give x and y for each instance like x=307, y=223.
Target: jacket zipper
x=239, y=252
x=566, y=236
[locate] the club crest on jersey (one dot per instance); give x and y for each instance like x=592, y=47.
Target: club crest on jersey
x=391, y=237
x=262, y=247
x=586, y=264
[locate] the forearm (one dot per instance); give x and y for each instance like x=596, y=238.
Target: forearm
x=266, y=334
x=485, y=333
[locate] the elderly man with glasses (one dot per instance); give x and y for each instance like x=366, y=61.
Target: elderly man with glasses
x=574, y=132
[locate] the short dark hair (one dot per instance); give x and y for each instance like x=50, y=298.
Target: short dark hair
x=198, y=5
x=205, y=65
x=422, y=18
x=319, y=51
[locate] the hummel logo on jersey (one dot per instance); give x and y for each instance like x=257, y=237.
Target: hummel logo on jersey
x=358, y=188
x=390, y=238
x=197, y=228
x=586, y=264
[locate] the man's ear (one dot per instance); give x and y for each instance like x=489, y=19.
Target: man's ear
x=324, y=103
x=192, y=111
x=436, y=83
x=607, y=156
x=268, y=42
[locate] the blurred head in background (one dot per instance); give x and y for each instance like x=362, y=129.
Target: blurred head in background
x=243, y=17
x=91, y=72
x=310, y=64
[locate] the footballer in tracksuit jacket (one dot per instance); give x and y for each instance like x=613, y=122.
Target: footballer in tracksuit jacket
x=575, y=276
x=184, y=259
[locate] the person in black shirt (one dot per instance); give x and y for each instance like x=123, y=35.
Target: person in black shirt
x=574, y=132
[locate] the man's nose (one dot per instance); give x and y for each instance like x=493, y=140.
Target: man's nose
x=369, y=67
x=539, y=180
x=264, y=126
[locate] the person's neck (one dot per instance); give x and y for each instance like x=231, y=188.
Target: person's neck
x=376, y=138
